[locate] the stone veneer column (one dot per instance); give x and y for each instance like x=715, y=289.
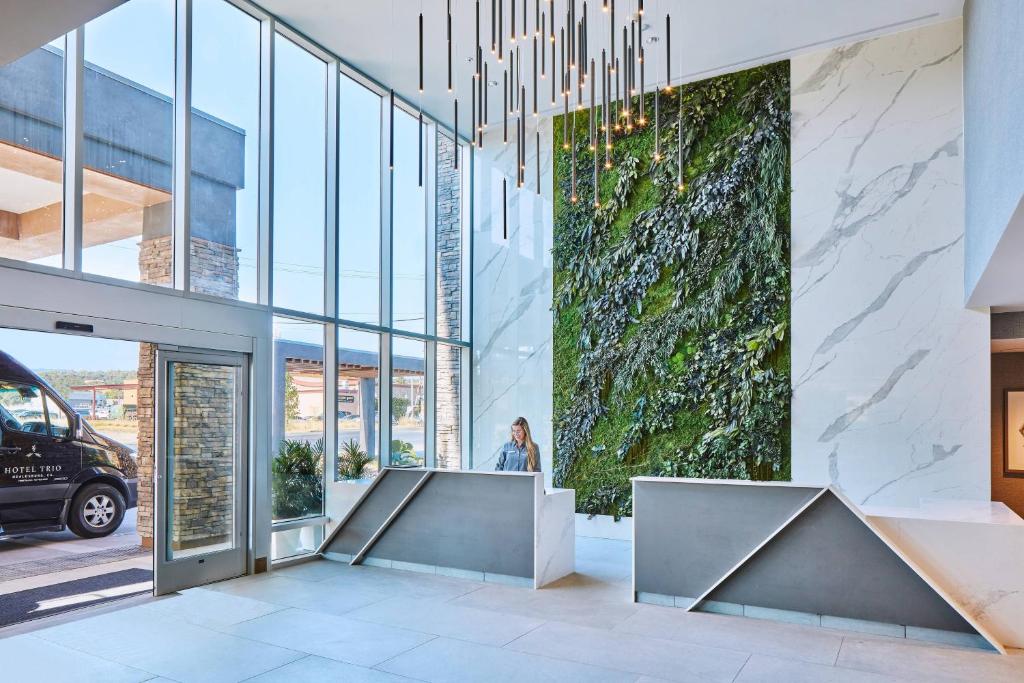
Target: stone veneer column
x=449, y=306
x=214, y=270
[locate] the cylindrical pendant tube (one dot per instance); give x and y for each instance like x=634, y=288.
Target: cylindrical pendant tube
x=642, y=118
x=391, y=129
x=504, y=208
x=524, y=19
x=504, y=102
x=668, y=53
x=536, y=18
x=456, y=133
x=573, y=181
x=421, y=52
x=494, y=36
x=501, y=29
x=679, y=172
x=485, y=85
x=657, y=124
x=535, y=40
x=612, y=33
x=538, y=162
x=512, y=22
x=543, y=52
x=449, y=52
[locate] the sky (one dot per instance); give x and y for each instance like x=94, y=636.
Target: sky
x=51, y=351
x=136, y=41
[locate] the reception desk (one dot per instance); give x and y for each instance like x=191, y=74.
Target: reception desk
x=805, y=554
x=489, y=526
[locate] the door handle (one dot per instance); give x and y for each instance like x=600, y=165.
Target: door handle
x=10, y=449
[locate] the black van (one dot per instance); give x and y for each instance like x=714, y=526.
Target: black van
x=56, y=471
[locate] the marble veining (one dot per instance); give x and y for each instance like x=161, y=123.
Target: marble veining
x=890, y=371
x=512, y=320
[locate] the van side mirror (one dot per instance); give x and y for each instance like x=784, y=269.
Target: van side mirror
x=76, y=427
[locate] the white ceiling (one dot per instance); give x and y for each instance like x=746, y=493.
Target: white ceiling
x=379, y=37
x=27, y=24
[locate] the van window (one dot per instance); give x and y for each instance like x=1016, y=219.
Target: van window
x=21, y=407
x=60, y=423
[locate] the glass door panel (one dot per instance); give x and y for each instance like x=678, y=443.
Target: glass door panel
x=201, y=469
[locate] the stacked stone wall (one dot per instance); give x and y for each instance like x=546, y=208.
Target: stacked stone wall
x=448, y=389
x=214, y=271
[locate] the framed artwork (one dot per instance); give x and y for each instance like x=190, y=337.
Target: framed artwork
x=1013, y=433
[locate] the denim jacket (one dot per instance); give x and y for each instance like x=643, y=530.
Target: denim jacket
x=513, y=458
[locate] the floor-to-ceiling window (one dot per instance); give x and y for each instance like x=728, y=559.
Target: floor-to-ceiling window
x=225, y=151
x=128, y=143
x=31, y=156
x=248, y=165
x=300, y=168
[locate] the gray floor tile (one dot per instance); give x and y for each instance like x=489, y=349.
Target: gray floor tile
x=669, y=659
x=586, y=609
x=453, y=661
x=804, y=643
x=399, y=582
x=763, y=669
x=319, y=596
x=314, y=570
x=214, y=609
x=446, y=619
x=27, y=658
x=347, y=640
x=168, y=646
x=926, y=662
x=317, y=670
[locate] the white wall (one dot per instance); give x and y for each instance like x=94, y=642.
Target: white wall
x=890, y=372
x=512, y=319
x=993, y=68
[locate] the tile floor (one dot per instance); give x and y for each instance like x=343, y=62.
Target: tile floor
x=325, y=621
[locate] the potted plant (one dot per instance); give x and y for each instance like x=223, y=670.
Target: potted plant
x=353, y=460
x=298, y=479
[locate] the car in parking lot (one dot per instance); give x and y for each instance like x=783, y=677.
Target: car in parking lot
x=56, y=470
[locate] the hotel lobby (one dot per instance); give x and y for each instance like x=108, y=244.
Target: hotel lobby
x=484, y=340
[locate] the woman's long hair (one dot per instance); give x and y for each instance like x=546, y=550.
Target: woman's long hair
x=531, y=447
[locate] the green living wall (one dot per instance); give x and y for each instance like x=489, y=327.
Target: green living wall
x=671, y=344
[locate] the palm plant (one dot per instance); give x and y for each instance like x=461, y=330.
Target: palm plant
x=298, y=479
x=353, y=461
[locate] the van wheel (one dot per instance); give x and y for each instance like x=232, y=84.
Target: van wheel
x=97, y=511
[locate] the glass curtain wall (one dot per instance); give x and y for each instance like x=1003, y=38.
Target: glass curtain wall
x=225, y=153
x=128, y=129
x=347, y=254
x=31, y=156
x=300, y=177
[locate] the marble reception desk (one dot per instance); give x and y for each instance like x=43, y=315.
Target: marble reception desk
x=800, y=553
x=490, y=526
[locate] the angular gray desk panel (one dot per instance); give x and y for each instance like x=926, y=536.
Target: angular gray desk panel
x=373, y=510
x=687, y=536
x=462, y=520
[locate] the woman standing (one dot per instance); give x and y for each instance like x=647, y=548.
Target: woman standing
x=520, y=454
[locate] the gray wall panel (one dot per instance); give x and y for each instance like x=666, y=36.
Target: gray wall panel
x=829, y=562
x=478, y=522
x=687, y=536
x=368, y=517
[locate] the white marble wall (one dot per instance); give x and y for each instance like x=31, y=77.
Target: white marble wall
x=890, y=372
x=512, y=318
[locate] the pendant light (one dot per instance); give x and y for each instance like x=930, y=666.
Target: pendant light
x=668, y=53
x=573, y=198
x=538, y=161
x=543, y=51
